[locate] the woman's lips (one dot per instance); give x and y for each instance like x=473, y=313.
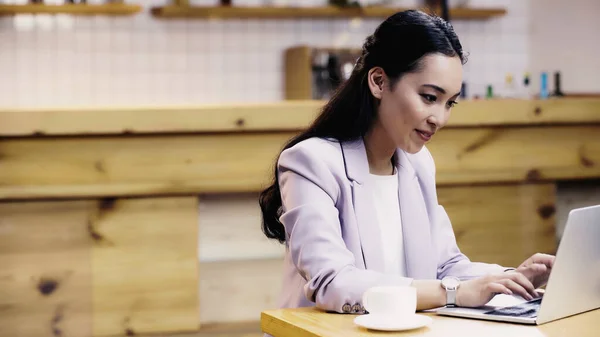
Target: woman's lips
x=426, y=136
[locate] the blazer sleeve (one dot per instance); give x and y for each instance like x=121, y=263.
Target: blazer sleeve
x=451, y=261
x=309, y=192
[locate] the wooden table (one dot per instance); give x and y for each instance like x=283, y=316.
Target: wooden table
x=310, y=322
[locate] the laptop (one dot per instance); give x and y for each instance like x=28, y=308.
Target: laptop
x=573, y=286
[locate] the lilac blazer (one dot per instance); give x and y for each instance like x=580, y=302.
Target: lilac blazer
x=333, y=251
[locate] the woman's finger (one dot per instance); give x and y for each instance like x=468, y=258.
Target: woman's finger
x=498, y=288
x=545, y=259
x=524, y=282
x=533, y=270
x=538, y=268
x=516, y=288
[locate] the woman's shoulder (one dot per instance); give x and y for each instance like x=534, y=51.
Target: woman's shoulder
x=318, y=160
x=315, y=151
x=318, y=146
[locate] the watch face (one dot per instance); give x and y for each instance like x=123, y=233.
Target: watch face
x=450, y=282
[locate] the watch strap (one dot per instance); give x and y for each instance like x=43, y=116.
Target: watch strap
x=451, y=297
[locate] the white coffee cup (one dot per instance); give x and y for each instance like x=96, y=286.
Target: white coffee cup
x=391, y=301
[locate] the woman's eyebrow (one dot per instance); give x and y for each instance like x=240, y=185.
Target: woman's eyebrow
x=439, y=89
x=436, y=88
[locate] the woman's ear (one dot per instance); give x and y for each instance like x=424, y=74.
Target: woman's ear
x=377, y=79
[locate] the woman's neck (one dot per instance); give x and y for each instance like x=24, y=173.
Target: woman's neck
x=380, y=150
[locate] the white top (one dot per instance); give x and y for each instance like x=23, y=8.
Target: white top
x=387, y=206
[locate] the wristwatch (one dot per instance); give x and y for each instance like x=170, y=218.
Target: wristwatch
x=451, y=284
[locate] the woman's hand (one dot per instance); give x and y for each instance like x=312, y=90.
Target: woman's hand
x=537, y=269
x=479, y=291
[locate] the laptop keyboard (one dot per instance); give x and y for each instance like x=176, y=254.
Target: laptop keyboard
x=528, y=309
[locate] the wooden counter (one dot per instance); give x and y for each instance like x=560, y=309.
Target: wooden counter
x=99, y=208
x=271, y=117
x=309, y=322
x=137, y=152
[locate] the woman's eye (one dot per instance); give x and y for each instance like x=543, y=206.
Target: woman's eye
x=429, y=98
x=452, y=103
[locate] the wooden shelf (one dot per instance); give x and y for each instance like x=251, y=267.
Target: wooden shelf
x=305, y=12
x=108, y=9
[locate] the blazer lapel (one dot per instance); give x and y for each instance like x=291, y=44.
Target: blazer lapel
x=418, y=249
x=420, y=262
x=357, y=170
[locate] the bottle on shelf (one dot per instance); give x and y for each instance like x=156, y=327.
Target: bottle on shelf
x=557, y=87
x=489, y=92
x=544, y=85
x=526, y=87
x=509, y=86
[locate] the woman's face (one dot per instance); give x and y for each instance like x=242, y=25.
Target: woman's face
x=419, y=104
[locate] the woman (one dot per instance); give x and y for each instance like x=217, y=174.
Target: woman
x=354, y=196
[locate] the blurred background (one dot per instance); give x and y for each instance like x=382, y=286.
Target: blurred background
x=141, y=59
x=135, y=135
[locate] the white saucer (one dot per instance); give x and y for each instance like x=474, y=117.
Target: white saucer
x=392, y=324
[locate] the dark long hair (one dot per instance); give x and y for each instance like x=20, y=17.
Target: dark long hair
x=397, y=46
